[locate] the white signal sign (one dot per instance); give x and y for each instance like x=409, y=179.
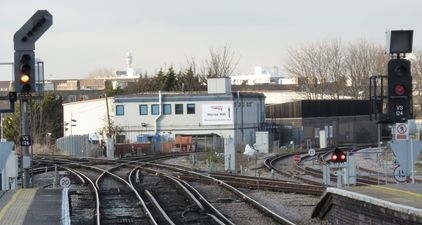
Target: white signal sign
x=65, y=182
x=311, y=152
x=402, y=131
x=399, y=175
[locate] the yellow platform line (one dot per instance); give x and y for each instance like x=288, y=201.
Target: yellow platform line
x=398, y=190
x=13, y=213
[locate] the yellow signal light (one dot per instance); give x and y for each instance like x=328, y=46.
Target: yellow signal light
x=25, y=78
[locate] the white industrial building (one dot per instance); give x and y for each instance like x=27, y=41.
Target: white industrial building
x=85, y=117
x=263, y=75
x=220, y=111
x=232, y=116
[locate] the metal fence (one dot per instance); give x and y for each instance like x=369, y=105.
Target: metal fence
x=79, y=145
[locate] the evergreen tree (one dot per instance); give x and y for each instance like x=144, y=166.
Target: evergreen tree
x=170, y=80
x=46, y=117
x=159, y=80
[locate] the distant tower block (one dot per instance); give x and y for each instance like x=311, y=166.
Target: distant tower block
x=129, y=70
x=129, y=60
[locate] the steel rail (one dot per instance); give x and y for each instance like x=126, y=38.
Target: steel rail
x=162, y=213
x=97, y=196
x=195, y=196
x=243, y=196
x=144, y=207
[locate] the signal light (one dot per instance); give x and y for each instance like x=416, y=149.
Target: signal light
x=33, y=31
x=25, y=78
x=399, y=91
x=400, y=70
x=338, y=156
x=24, y=71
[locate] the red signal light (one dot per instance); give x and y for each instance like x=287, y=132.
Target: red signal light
x=338, y=156
x=400, y=89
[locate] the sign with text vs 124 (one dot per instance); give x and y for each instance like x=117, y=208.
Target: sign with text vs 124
x=217, y=114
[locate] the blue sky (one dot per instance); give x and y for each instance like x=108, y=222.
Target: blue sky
x=89, y=35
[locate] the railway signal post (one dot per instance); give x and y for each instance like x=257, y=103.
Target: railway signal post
x=400, y=104
x=25, y=79
x=343, y=166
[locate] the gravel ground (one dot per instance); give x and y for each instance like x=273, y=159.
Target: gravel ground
x=298, y=208
x=238, y=211
x=45, y=179
x=370, y=159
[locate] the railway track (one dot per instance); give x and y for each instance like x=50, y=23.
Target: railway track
x=250, y=182
x=99, y=187
x=115, y=199
x=302, y=173
x=225, y=196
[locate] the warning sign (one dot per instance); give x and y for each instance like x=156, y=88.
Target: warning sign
x=402, y=132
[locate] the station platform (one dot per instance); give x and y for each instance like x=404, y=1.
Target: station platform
x=31, y=207
x=376, y=204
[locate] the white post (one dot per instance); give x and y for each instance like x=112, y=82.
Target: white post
x=326, y=175
x=412, y=164
x=1, y=123
x=55, y=177
x=339, y=178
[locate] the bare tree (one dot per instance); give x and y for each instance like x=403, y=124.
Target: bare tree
x=299, y=64
x=333, y=57
x=101, y=73
x=328, y=69
x=319, y=67
x=416, y=63
x=362, y=60
x=221, y=63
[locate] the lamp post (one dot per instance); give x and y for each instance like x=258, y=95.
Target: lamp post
x=48, y=142
x=72, y=121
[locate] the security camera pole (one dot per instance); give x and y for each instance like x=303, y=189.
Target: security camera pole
x=25, y=79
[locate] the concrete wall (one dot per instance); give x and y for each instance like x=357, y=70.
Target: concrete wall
x=347, y=129
x=219, y=85
x=8, y=166
x=89, y=115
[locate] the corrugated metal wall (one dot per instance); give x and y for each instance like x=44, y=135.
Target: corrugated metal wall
x=318, y=108
x=78, y=145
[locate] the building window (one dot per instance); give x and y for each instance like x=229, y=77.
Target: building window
x=143, y=109
x=316, y=132
x=155, y=109
x=190, y=108
x=120, y=110
x=71, y=98
x=178, y=108
x=167, y=109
